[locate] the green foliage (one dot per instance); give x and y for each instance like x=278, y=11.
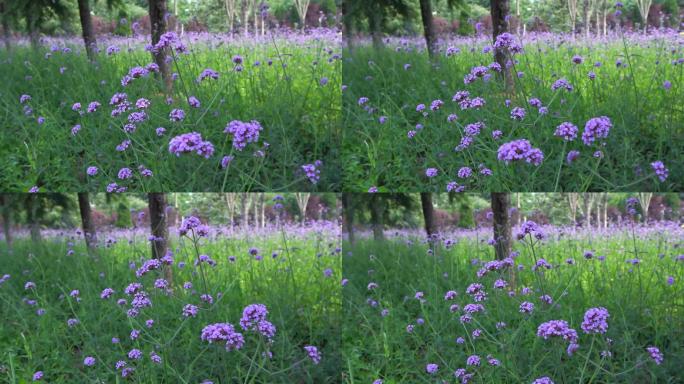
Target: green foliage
x=123, y=215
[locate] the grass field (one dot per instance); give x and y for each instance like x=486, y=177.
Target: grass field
x=49, y=327
x=409, y=129
x=288, y=83
x=406, y=308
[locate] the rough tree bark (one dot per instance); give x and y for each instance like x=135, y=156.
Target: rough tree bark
x=499, y=11
x=348, y=216
x=428, y=26
x=160, y=228
x=158, y=28
x=87, y=27
x=501, y=202
x=87, y=220
x=428, y=213
x=377, y=208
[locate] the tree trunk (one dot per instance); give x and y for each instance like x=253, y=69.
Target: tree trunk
x=587, y=12
x=645, y=202
x=245, y=21
x=262, y=206
x=348, y=26
x=375, y=25
x=158, y=28
x=244, y=214
x=588, y=202
x=159, y=226
x=428, y=213
x=255, y=210
x=32, y=216
x=6, y=219
x=377, y=208
x=32, y=25
x=87, y=221
x=499, y=11
x=230, y=13
x=4, y=18
x=302, y=203
x=87, y=27
x=501, y=202
x=428, y=26
x=348, y=216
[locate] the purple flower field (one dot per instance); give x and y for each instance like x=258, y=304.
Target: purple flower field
x=224, y=303
x=594, y=113
x=589, y=304
x=228, y=125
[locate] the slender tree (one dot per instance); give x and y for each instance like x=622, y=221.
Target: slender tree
x=302, y=7
x=158, y=28
x=6, y=207
x=302, y=203
x=5, y=20
x=231, y=8
x=428, y=26
x=348, y=216
x=87, y=220
x=32, y=216
x=501, y=203
x=377, y=208
x=428, y=213
x=244, y=213
x=87, y=27
x=644, y=9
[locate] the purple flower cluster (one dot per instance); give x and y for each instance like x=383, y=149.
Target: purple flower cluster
x=191, y=142
x=596, y=128
x=660, y=170
x=312, y=171
x=557, y=328
x=530, y=228
x=313, y=353
x=243, y=132
x=595, y=320
x=567, y=131
x=520, y=150
x=223, y=332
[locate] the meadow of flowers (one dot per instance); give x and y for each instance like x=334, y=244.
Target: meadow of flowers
x=569, y=305
x=599, y=113
x=224, y=305
x=258, y=113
